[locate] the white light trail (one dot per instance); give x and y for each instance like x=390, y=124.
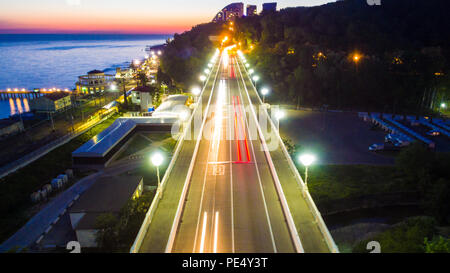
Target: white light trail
x=202, y=242
x=216, y=229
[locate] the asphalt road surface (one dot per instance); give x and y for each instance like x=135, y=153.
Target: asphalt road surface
x=232, y=204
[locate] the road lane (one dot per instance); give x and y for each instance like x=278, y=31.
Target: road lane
x=232, y=202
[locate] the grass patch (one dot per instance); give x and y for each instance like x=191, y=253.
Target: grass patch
x=15, y=189
x=333, y=182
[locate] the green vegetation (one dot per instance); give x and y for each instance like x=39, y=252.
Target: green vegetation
x=118, y=232
x=417, y=170
x=409, y=236
x=439, y=244
x=186, y=55
x=328, y=183
x=351, y=55
x=15, y=189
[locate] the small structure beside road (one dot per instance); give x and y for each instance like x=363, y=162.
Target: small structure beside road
x=108, y=195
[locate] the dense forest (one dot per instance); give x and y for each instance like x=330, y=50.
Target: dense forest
x=393, y=57
x=347, y=54
x=186, y=55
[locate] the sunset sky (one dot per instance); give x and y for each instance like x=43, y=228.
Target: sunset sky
x=114, y=16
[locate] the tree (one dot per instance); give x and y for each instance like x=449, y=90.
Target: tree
x=439, y=244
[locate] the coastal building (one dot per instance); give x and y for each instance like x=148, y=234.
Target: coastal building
x=142, y=95
x=95, y=81
x=252, y=10
x=10, y=127
x=108, y=195
x=230, y=12
x=269, y=7
x=51, y=102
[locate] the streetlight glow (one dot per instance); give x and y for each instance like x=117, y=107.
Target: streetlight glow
x=307, y=159
x=202, y=78
x=443, y=105
x=196, y=91
x=256, y=78
x=157, y=159
x=264, y=91
x=251, y=71
x=280, y=114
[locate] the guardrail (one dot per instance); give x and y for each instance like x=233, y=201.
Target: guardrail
x=317, y=215
x=150, y=213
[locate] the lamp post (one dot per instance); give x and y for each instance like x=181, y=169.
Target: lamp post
x=307, y=160
x=279, y=114
x=196, y=91
x=157, y=159
x=256, y=79
x=264, y=92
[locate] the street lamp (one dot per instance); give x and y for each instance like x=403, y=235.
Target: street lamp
x=196, y=91
x=202, y=78
x=443, y=105
x=206, y=71
x=256, y=79
x=251, y=71
x=157, y=159
x=307, y=160
x=264, y=92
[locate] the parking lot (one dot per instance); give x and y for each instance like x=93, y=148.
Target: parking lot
x=336, y=138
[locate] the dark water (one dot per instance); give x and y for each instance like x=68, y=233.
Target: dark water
x=56, y=60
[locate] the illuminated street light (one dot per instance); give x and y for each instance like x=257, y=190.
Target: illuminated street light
x=206, y=71
x=136, y=62
x=264, y=92
x=307, y=160
x=443, y=105
x=247, y=65
x=255, y=78
x=203, y=78
x=113, y=87
x=157, y=159
x=210, y=65
x=251, y=71
x=196, y=91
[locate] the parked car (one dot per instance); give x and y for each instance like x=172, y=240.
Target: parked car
x=433, y=133
x=376, y=147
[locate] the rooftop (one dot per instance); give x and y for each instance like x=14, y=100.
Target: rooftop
x=108, y=194
x=95, y=71
x=56, y=95
x=102, y=143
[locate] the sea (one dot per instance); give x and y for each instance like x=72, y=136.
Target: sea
x=56, y=60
